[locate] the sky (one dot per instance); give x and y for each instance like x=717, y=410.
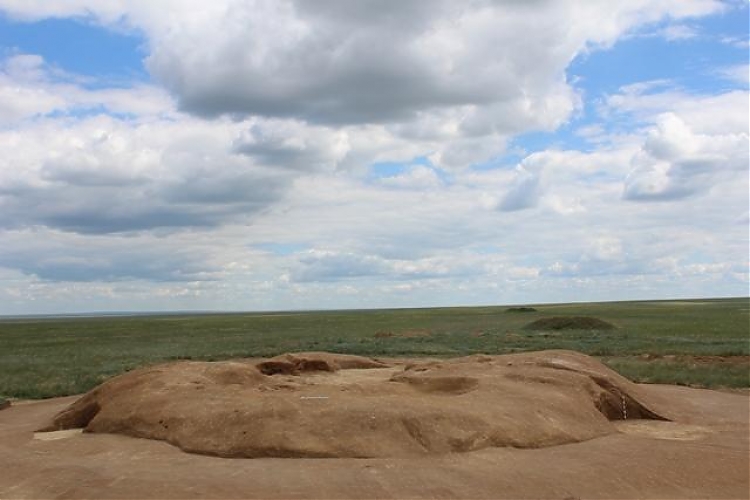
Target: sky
x=241, y=155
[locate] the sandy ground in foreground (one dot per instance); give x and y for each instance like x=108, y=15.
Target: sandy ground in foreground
x=704, y=455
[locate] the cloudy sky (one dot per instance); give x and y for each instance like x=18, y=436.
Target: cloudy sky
x=304, y=154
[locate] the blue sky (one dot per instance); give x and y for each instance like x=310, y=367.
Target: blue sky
x=688, y=63
x=79, y=47
x=247, y=156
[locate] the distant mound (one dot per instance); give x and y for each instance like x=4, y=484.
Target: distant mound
x=4, y=403
x=328, y=406
x=569, y=323
x=522, y=309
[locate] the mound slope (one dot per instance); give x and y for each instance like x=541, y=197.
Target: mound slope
x=343, y=406
x=569, y=323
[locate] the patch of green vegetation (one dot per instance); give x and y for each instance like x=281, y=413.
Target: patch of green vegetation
x=46, y=357
x=682, y=372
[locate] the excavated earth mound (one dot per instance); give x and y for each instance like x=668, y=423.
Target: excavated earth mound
x=569, y=323
x=330, y=405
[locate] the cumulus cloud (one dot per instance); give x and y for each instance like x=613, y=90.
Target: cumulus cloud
x=710, y=114
x=52, y=256
x=18, y=99
x=291, y=144
x=335, y=265
x=523, y=192
x=338, y=62
x=331, y=63
x=104, y=175
x=445, y=80
x=676, y=162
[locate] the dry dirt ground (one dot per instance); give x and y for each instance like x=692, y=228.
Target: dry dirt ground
x=537, y=425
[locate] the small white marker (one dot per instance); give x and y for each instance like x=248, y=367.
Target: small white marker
x=55, y=435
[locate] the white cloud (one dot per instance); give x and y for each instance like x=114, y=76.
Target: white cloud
x=689, y=144
x=18, y=99
x=330, y=63
x=292, y=144
x=30, y=88
x=523, y=192
x=675, y=32
x=738, y=73
x=676, y=162
x=54, y=256
x=447, y=81
x=417, y=177
x=105, y=175
x=737, y=42
x=720, y=113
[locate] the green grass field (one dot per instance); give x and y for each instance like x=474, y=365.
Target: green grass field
x=700, y=342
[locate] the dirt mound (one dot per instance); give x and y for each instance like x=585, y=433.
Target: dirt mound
x=329, y=407
x=569, y=323
x=522, y=309
x=4, y=403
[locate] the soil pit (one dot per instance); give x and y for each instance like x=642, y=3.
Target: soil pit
x=325, y=405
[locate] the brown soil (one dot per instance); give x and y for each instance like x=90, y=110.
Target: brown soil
x=294, y=406
x=569, y=323
x=298, y=363
x=532, y=425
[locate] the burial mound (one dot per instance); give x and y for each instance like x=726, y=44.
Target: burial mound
x=329, y=405
x=522, y=309
x=569, y=323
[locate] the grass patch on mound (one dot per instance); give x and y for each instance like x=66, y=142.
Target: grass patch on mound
x=569, y=323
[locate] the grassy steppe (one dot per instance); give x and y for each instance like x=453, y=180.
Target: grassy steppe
x=701, y=342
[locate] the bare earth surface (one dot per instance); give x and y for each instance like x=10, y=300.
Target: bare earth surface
x=554, y=424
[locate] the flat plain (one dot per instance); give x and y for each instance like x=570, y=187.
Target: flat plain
x=700, y=343
x=554, y=424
